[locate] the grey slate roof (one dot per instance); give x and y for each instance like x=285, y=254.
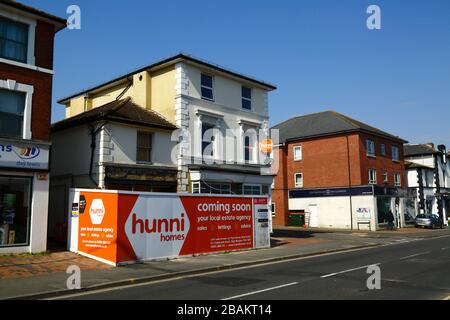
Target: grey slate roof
x=323, y=124
x=418, y=150
x=123, y=111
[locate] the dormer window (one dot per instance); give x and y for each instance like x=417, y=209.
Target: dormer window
x=13, y=40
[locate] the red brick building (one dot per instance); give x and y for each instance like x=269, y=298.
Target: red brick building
x=330, y=158
x=26, y=73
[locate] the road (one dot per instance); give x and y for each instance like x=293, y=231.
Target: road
x=417, y=269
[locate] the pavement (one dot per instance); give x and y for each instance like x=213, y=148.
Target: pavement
x=44, y=276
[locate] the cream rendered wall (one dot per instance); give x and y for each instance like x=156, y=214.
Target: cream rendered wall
x=124, y=142
x=334, y=212
x=109, y=95
x=227, y=91
x=162, y=93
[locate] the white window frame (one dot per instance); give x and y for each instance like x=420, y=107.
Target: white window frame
x=368, y=149
x=247, y=99
x=385, y=176
x=273, y=208
x=31, y=61
x=12, y=85
x=374, y=171
x=206, y=87
x=397, y=182
x=298, y=186
x=301, y=153
x=397, y=153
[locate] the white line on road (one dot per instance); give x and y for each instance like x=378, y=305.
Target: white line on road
x=415, y=255
x=260, y=291
x=349, y=270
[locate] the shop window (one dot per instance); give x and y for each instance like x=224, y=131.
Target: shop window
x=13, y=40
x=207, y=87
x=246, y=98
x=15, y=199
x=12, y=107
x=144, y=146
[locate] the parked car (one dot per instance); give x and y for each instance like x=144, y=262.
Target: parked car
x=429, y=221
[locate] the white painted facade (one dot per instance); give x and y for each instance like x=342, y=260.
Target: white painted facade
x=427, y=164
x=224, y=113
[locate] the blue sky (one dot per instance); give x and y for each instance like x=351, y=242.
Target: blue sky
x=319, y=53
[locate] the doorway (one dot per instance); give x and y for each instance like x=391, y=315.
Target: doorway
x=313, y=216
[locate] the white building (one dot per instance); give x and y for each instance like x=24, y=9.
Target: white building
x=428, y=171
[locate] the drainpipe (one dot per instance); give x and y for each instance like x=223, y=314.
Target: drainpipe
x=349, y=183
x=93, y=133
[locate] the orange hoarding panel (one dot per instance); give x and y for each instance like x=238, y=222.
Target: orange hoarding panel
x=126, y=227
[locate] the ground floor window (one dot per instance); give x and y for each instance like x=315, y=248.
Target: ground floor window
x=410, y=210
x=252, y=189
x=211, y=188
x=384, y=206
x=15, y=199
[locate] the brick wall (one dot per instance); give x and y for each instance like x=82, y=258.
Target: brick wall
x=42, y=96
x=43, y=48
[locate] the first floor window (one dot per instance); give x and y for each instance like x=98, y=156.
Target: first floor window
x=298, y=180
x=246, y=98
x=144, y=146
x=252, y=189
x=207, y=87
x=397, y=179
x=248, y=149
x=298, y=155
x=383, y=149
x=370, y=148
x=12, y=108
x=208, y=140
x=372, y=176
x=13, y=40
x=15, y=199
x=395, y=155
x=385, y=176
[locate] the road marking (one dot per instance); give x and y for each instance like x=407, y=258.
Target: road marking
x=260, y=291
x=349, y=270
x=448, y=298
x=415, y=255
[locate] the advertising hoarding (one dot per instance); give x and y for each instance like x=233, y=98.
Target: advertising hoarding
x=121, y=227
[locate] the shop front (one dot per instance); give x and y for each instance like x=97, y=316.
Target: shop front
x=24, y=185
x=400, y=202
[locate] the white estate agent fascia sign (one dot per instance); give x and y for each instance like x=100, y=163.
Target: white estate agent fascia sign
x=24, y=155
